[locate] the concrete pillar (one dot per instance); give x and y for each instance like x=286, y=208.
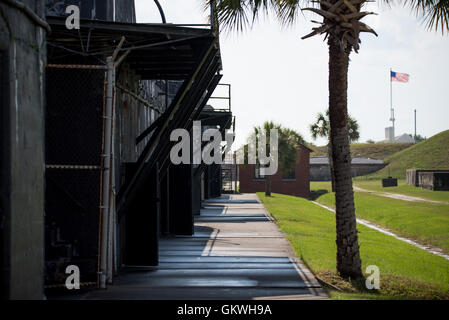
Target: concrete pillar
x=196, y=194
x=165, y=203
x=142, y=222
x=181, y=208
x=22, y=51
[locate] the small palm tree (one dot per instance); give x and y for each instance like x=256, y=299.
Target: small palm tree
x=321, y=128
x=341, y=26
x=288, y=145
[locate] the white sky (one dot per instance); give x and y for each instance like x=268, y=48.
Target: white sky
x=277, y=76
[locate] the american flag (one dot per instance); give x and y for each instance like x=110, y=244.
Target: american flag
x=400, y=77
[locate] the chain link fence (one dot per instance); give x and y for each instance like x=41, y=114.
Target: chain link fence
x=229, y=171
x=74, y=142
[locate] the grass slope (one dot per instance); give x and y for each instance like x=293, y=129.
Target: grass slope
x=432, y=153
x=367, y=150
x=405, y=271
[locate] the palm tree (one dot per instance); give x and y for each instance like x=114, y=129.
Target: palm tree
x=288, y=145
x=321, y=128
x=341, y=25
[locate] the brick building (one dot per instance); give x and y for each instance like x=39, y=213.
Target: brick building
x=294, y=182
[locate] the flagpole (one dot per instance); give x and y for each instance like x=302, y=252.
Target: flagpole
x=391, y=104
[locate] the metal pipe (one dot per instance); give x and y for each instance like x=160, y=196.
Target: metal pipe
x=118, y=48
x=100, y=215
x=140, y=99
x=161, y=11
x=75, y=66
x=122, y=57
x=111, y=205
x=230, y=100
x=106, y=172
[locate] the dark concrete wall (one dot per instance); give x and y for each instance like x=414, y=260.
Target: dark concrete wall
x=212, y=183
x=22, y=43
x=322, y=172
x=413, y=176
x=125, y=11
x=96, y=9
x=180, y=199
x=434, y=180
x=297, y=187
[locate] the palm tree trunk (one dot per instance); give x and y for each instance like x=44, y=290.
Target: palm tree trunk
x=348, y=257
x=267, y=186
x=331, y=164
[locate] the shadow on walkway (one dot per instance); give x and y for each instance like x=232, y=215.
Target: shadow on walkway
x=236, y=252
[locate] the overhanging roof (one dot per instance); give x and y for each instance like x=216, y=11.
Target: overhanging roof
x=222, y=118
x=157, y=51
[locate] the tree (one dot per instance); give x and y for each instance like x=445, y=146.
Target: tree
x=288, y=145
x=321, y=128
x=419, y=138
x=341, y=25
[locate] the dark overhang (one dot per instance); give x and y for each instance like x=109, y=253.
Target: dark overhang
x=221, y=118
x=156, y=51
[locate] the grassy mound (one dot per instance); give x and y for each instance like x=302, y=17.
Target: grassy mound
x=367, y=150
x=428, y=154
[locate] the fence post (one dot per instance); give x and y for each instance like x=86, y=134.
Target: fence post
x=106, y=172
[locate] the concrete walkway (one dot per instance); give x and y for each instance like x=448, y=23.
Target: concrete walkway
x=237, y=252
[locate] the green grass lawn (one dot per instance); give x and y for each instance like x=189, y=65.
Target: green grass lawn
x=402, y=188
x=406, y=271
x=427, y=223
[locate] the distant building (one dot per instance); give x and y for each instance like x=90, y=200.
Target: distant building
x=320, y=168
x=403, y=138
x=432, y=179
x=295, y=182
x=389, y=134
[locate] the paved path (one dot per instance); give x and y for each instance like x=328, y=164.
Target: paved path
x=237, y=252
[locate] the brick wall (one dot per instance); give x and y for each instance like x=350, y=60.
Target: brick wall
x=297, y=187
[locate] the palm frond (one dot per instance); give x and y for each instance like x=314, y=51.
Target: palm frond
x=353, y=128
x=321, y=127
x=287, y=10
x=258, y=6
x=434, y=12
x=231, y=14
x=239, y=14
